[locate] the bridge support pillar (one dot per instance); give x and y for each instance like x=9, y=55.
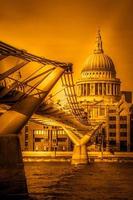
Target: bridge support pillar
x=80, y=155
x=10, y=151
x=12, y=176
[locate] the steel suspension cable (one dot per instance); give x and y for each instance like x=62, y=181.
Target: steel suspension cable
x=34, y=77
x=37, y=84
x=67, y=81
x=32, y=74
x=52, y=95
x=6, y=50
x=68, y=92
x=72, y=94
x=71, y=88
x=68, y=99
x=19, y=83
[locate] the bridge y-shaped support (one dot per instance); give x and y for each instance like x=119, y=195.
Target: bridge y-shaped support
x=12, y=121
x=80, y=155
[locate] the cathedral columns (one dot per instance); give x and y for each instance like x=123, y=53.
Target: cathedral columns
x=113, y=89
x=88, y=89
x=85, y=89
x=91, y=89
x=112, y=92
x=110, y=88
x=98, y=89
x=81, y=89
x=106, y=88
x=95, y=88
x=102, y=88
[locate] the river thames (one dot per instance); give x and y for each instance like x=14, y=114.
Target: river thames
x=62, y=181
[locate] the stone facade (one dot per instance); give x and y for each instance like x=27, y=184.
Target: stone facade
x=99, y=94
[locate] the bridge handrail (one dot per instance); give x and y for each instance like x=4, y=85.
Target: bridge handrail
x=70, y=93
x=6, y=49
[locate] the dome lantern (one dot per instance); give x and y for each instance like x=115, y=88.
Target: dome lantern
x=98, y=46
x=98, y=61
x=98, y=81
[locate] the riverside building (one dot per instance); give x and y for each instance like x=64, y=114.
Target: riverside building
x=99, y=94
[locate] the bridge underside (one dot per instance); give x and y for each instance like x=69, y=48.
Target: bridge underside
x=25, y=100
x=78, y=133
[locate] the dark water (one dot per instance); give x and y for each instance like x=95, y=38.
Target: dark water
x=61, y=181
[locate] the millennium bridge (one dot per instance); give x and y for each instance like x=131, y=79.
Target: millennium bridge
x=26, y=81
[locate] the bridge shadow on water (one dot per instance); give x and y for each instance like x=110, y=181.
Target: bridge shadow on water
x=13, y=184
x=62, y=181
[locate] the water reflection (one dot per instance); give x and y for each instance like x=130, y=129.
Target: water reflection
x=61, y=181
x=13, y=183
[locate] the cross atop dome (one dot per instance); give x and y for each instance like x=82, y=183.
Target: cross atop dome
x=98, y=45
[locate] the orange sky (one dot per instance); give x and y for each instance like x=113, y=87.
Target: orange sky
x=65, y=30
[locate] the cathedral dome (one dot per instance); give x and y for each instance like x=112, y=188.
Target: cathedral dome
x=98, y=61
x=98, y=81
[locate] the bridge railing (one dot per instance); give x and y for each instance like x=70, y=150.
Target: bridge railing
x=70, y=93
x=13, y=86
x=25, y=88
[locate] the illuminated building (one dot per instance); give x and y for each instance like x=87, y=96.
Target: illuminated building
x=98, y=77
x=99, y=94
x=36, y=137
